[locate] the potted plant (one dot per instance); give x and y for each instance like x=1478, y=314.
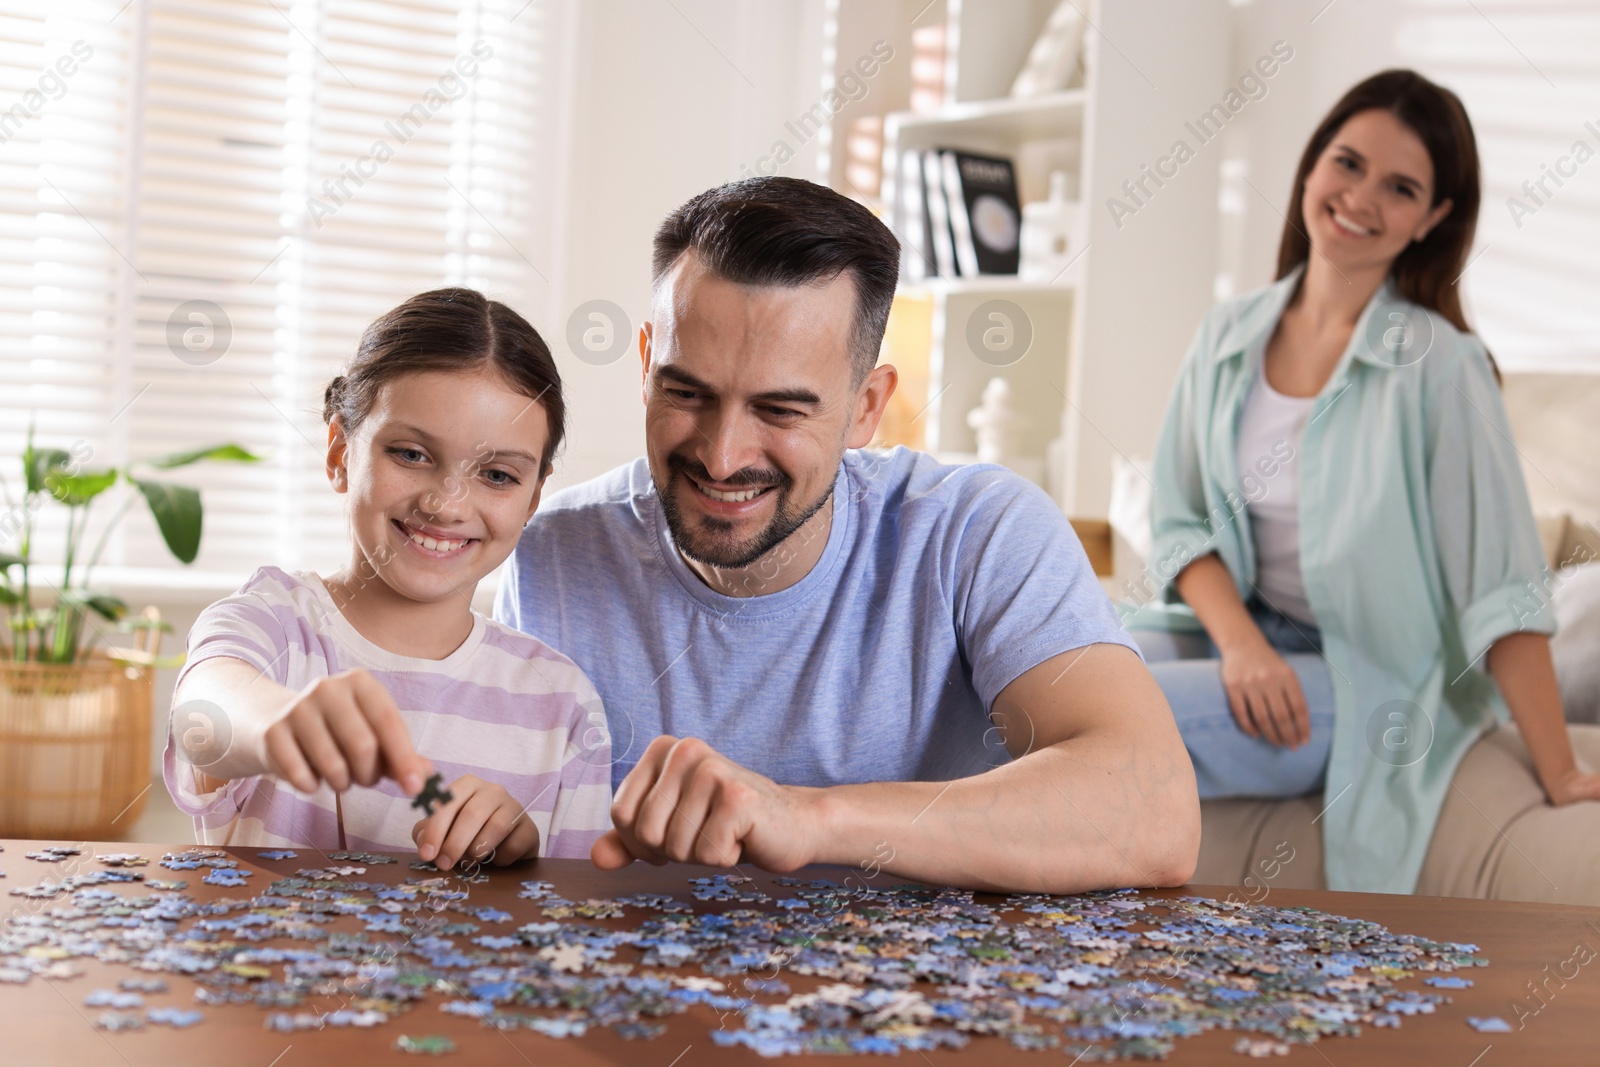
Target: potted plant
x=75, y=718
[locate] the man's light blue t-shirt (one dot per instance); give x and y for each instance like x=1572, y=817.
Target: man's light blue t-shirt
x=938, y=587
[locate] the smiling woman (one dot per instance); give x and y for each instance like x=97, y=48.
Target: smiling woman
x=1359, y=632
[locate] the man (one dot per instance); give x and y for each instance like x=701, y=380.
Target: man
x=810, y=653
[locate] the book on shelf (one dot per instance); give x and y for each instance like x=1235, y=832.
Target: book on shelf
x=985, y=212
x=936, y=207
x=916, y=256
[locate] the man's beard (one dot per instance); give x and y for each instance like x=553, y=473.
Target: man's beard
x=701, y=542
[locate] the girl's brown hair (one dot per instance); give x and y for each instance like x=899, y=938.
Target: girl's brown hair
x=1426, y=272
x=450, y=330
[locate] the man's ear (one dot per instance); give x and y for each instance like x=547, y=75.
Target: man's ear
x=871, y=400
x=538, y=491
x=338, y=454
x=646, y=343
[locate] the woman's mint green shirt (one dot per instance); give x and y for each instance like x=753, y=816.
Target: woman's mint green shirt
x=1417, y=546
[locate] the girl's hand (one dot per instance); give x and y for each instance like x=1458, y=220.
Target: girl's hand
x=344, y=729
x=1264, y=694
x=1574, y=787
x=481, y=823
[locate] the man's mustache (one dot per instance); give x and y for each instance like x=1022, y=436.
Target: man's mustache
x=747, y=476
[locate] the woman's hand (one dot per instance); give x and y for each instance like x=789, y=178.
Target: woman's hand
x=1574, y=787
x=344, y=729
x=1264, y=694
x=481, y=822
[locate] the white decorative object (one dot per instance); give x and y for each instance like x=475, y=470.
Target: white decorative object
x=1576, y=645
x=1049, y=233
x=1130, y=502
x=1056, y=60
x=996, y=424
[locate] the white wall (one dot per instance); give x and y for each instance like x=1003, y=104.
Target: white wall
x=666, y=100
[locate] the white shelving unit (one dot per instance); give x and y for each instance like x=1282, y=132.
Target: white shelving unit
x=1108, y=334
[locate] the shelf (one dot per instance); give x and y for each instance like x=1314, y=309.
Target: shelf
x=1054, y=116
x=984, y=283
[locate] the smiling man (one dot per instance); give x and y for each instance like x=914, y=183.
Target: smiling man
x=813, y=653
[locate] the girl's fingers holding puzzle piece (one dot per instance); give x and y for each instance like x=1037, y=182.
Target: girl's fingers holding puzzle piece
x=429, y=832
x=357, y=741
x=287, y=760
x=321, y=751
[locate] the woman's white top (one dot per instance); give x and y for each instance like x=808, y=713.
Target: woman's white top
x=1270, y=428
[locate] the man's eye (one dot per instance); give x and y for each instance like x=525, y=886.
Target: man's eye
x=783, y=413
x=681, y=394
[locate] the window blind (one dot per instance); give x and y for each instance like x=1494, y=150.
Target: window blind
x=294, y=169
x=1527, y=76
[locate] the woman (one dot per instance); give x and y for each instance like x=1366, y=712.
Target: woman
x=1341, y=513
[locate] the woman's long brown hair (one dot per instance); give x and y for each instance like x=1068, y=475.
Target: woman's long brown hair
x=1427, y=271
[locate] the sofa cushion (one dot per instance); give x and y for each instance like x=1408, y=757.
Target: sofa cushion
x=1497, y=838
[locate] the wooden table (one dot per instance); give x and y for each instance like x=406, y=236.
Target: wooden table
x=1550, y=947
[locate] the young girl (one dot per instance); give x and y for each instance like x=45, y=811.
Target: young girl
x=1342, y=513
x=312, y=710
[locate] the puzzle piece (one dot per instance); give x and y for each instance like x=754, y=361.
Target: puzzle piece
x=1492, y=1024
x=432, y=1045
x=433, y=793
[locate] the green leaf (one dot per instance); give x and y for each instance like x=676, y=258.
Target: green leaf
x=105, y=605
x=177, y=512
x=76, y=490
x=9, y=596
x=140, y=622
x=39, y=463
x=230, y=452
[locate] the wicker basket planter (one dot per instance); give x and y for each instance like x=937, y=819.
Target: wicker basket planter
x=74, y=747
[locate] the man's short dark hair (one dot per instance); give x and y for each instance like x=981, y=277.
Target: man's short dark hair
x=788, y=231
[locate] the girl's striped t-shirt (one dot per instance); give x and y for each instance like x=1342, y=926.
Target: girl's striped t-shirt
x=504, y=707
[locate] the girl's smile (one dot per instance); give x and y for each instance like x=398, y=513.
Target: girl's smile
x=432, y=541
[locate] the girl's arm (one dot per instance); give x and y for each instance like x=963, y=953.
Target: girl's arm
x=1521, y=666
x=1263, y=690
x=231, y=721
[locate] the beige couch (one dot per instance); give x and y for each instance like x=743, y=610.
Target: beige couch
x=1496, y=838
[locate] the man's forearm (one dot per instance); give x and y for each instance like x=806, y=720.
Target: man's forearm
x=1092, y=812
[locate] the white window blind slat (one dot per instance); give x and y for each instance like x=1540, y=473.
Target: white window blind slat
x=254, y=116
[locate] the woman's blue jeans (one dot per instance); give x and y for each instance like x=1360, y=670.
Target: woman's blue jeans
x=1227, y=761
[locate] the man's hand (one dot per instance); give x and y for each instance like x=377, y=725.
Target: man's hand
x=687, y=803
x=481, y=820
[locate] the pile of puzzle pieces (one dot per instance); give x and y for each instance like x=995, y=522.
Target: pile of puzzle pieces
x=822, y=969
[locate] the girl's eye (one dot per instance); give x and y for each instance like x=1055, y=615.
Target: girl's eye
x=410, y=455
x=498, y=477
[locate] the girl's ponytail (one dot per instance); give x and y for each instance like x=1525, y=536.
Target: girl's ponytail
x=333, y=399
